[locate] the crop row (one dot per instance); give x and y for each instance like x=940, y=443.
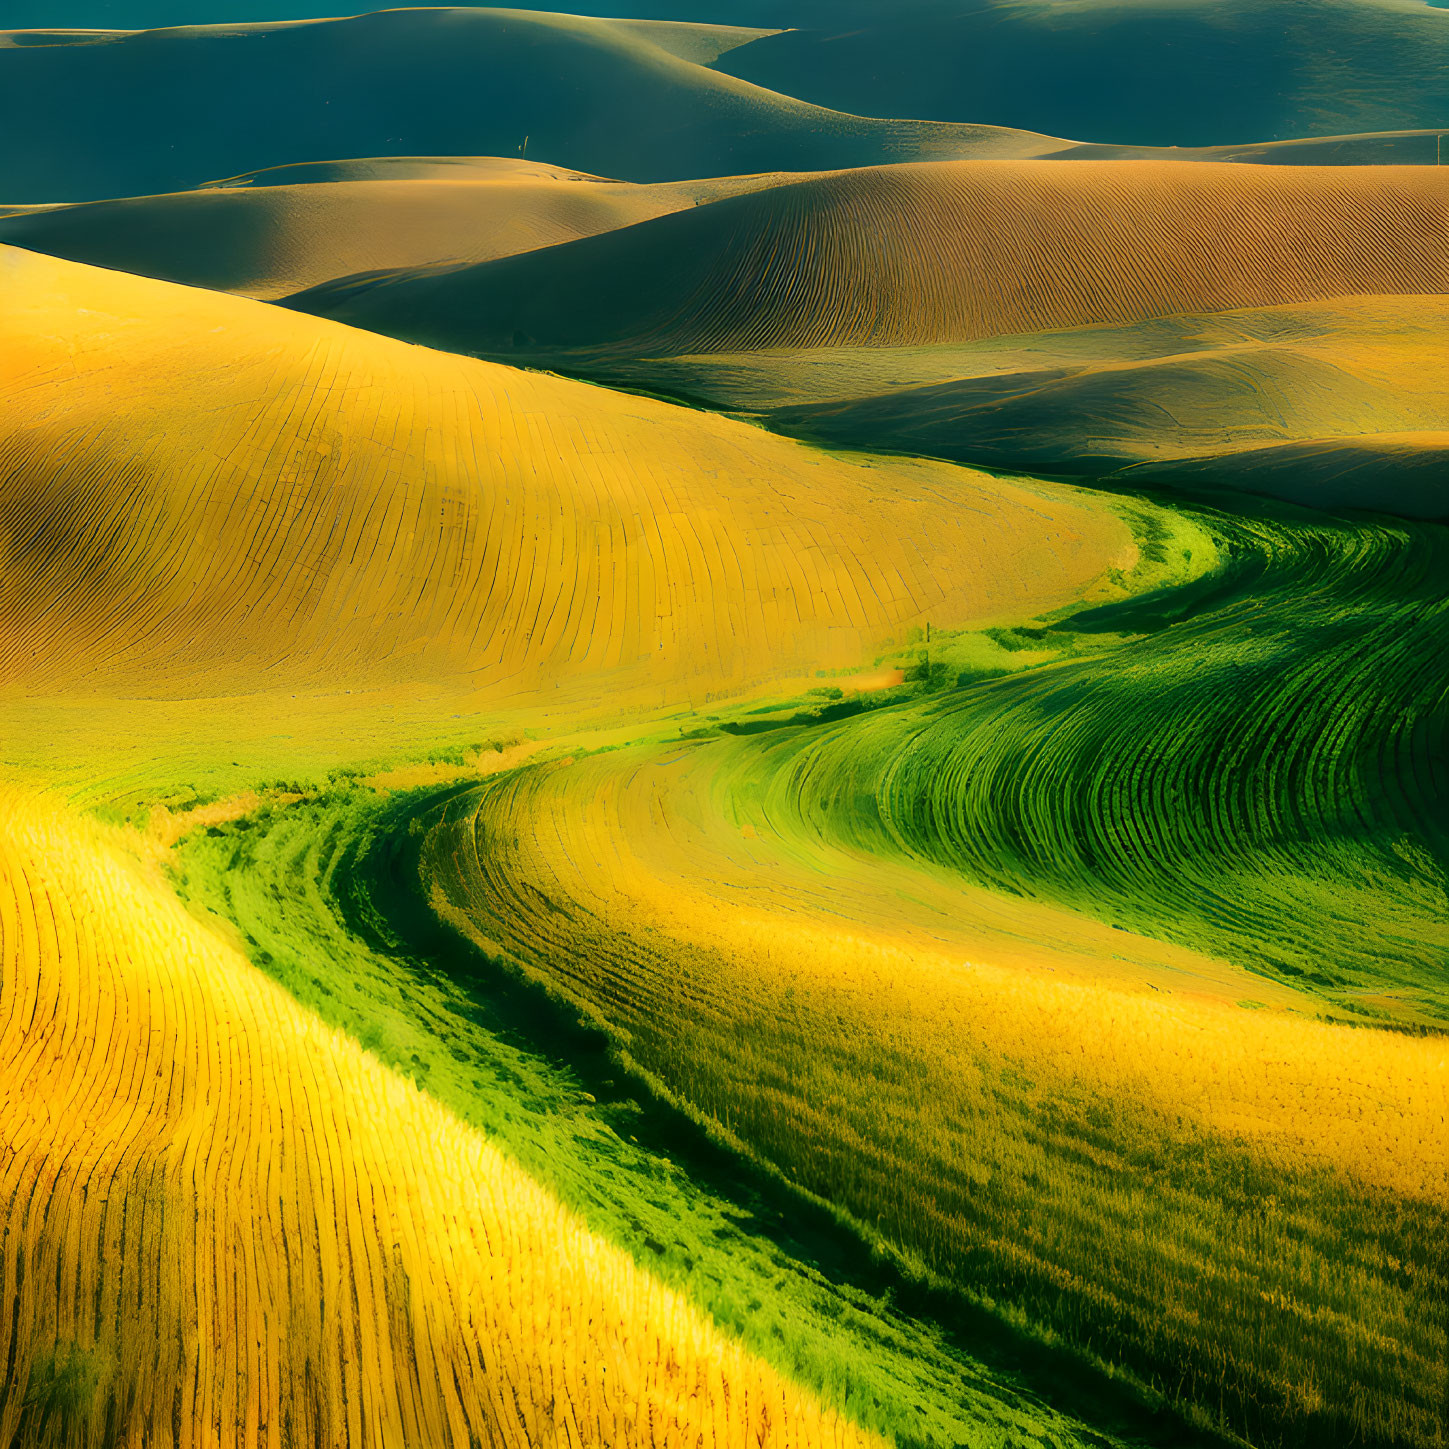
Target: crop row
x=225, y=1222
x=905, y=959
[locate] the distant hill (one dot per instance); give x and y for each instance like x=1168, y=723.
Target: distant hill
x=1188, y=73
x=276, y=232
x=1340, y=403
x=1400, y=473
x=910, y=255
x=1140, y=72
x=152, y=14
x=289, y=228
x=109, y=114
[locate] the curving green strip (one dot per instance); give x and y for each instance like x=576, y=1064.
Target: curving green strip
x=1262, y=774
x=1251, y=763
x=323, y=896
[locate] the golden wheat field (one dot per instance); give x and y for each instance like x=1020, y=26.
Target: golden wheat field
x=170, y=1108
x=348, y=508
x=726, y=728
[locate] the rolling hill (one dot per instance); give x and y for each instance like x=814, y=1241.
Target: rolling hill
x=341, y=509
x=1142, y=72
x=289, y=228
x=817, y=825
x=1336, y=404
x=1127, y=76
x=917, y=254
x=273, y=233
x=614, y=98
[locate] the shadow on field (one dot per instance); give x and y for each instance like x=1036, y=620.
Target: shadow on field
x=381, y=897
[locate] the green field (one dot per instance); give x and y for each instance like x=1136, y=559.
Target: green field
x=1103, y=763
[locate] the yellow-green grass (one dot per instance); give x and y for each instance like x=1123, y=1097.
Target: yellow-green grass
x=845, y=943
x=223, y=1217
x=322, y=895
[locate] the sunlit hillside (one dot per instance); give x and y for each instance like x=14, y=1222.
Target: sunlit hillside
x=725, y=726
x=343, y=509
x=215, y=1178
x=901, y=255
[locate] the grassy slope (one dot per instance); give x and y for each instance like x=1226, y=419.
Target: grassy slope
x=225, y=1218
x=139, y=341
x=321, y=890
x=611, y=99
x=1305, y=841
x=214, y=647
x=1273, y=1221
x=1161, y=72
x=913, y=255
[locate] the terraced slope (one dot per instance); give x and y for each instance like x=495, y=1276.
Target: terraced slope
x=278, y=232
x=611, y=98
x=1151, y=72
x=227, y=1219
x=919, y=254
x=346, y=511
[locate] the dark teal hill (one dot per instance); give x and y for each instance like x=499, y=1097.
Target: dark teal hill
x=169, y=111
x=106, y=114
x=153, y=14
x=1157, y=72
